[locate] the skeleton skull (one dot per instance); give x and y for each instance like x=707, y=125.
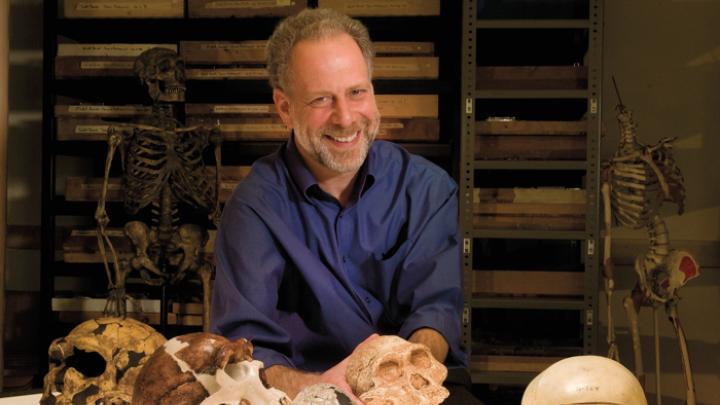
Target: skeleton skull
x=98, y=362
x=389, y=370
x=163, y=72
x=207, y=369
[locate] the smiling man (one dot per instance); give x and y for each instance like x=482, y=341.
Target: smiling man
x=337, y=237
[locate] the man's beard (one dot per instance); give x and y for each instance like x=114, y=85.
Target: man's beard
x=343, y=161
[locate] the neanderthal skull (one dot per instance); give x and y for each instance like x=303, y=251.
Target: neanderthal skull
x=389, y=370
x=98, y=362
x=203, y=368
x=163, y=72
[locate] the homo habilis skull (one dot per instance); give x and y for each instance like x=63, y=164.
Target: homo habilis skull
x=389, y=370
x=585, y=380
x=203, y=368
x=163, y=72
x=98, y=362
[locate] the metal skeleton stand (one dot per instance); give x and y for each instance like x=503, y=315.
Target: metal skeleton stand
x=636, y=181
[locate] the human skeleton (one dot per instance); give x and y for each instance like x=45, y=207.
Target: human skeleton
x=636, y=181
x=162, y=167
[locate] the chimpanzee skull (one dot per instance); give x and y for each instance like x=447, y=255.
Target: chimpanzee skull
x=389, y=370
x=98, y=362
x=207, y=369
x=163, y=72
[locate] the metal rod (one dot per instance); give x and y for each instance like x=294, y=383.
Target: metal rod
x=4, y=112
x=656, y=332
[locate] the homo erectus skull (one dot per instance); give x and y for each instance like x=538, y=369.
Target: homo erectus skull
x=389, y=370
x=163, y=72
x=98, y=362
x=203, y=368
x=585, y=380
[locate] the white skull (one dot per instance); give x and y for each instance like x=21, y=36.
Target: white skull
x=584, y=380
x=389, y=370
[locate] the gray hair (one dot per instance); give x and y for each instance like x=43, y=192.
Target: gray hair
x=311, y=24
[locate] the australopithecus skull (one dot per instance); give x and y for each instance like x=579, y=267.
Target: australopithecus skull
x=98, y=362
x=203, y=368
x=389, y=370
x=163, y=72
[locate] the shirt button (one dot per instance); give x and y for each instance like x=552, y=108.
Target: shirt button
x=344, y=259
x=367, y=299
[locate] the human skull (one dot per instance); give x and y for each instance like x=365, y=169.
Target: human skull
x=98, y=362
x=585, y=380
x=389, y=370
x=207, y=369
x=163, y=72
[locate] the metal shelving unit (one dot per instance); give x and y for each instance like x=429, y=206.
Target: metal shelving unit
x=471, y=172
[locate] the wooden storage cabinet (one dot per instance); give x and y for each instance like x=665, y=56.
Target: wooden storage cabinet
x=529, y=186
x=90, y=47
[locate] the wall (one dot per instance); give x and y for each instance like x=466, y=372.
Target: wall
x=665, y=56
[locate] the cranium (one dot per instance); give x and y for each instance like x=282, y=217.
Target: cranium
x=322, y=394
x=98, y=362
x=203, y=368
x=389, y=370
x=163, y=72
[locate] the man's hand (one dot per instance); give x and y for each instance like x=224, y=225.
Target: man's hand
x=433, y=340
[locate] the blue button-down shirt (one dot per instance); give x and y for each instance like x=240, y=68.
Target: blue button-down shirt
x=306, y=279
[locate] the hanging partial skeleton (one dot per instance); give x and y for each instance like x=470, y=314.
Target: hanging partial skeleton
x=162, y=167
x=636, y=181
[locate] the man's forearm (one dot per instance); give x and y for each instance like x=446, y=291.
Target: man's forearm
x=433, y=340
x=290, y=380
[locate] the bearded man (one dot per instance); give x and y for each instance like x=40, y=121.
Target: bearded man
x=336, y=237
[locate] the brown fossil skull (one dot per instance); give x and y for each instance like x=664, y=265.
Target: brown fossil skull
x=163, y=72
x=203, y=368
x=98, y=362
x=389, y=370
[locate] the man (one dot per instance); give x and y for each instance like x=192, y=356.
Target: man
x=335, y=237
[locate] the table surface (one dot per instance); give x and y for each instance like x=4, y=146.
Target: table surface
x=31, y=399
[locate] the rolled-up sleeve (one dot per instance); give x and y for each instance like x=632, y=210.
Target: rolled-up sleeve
x=430, y=280
x=249, y=269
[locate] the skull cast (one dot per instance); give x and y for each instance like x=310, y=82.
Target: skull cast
x=98, y=362
x=389, y=370
x=203, y=368
x=163, y=72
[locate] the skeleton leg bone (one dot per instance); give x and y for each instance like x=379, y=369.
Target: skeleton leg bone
x=671, y=308
x=632, y=308
x=608, y=273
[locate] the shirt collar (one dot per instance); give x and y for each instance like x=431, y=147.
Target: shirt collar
x=305, y=180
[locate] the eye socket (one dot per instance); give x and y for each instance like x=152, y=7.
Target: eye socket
x=389, y=370
x=420, y=359
x=90, y=364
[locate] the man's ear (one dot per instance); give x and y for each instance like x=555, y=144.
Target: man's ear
x=282, y=105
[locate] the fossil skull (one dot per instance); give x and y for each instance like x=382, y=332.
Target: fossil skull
x=98, y=362
x=203, y=368
x=163, y=72
x=389, y=370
